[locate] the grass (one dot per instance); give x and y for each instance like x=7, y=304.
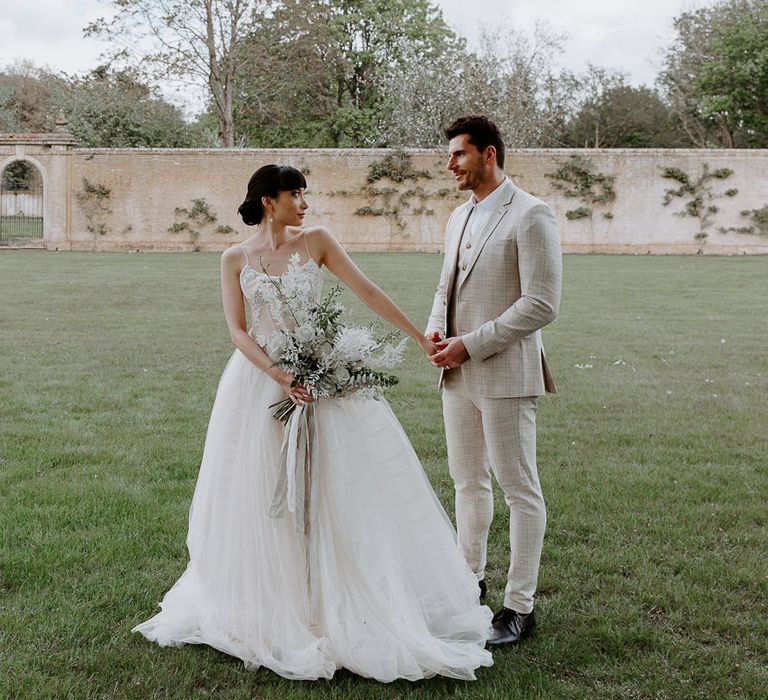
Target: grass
x=654, y=580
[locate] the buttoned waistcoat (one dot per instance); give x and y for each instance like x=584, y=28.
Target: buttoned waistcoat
x=509, y=291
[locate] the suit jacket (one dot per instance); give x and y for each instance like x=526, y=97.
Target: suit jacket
x=510, y=290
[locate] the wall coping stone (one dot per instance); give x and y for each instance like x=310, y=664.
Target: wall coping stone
x=53, y=139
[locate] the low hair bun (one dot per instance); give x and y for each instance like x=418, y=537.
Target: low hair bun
x=268, y=181
x=251, y=211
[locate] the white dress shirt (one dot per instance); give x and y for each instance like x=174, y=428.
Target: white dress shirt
x=479, y=215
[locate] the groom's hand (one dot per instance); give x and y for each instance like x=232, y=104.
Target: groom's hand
x=452, y=354
x=432, y=337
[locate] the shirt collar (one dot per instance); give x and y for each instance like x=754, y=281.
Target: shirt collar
x=490, y=202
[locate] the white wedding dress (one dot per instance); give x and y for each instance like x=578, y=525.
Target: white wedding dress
x=385, y=593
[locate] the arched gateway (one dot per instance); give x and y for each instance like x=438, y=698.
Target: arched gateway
x=34, y=187
x=21, y=204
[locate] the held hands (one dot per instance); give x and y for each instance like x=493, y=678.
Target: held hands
x=451, y=353
x=429, y=343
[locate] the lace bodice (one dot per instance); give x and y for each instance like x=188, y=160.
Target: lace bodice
x=261, y=294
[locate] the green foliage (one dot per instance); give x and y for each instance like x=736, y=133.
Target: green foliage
x=612, y=114
x=701, y=195
x=685, y=183
x=200, y=214
x=195, y=220
x=94, y=200
x=759, y=225
x=576, y=178
x=20, y=176
x=371, y=211
x=512, y=76
x=396, y=166
x=116, y=110
x=716, y=74
x=192, y=41
x=578, y=213
x=320, y=69
x=761, y=217
x=28, y=98
x=104, y=109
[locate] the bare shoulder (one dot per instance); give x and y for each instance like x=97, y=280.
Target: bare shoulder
x=320, y=239
x=232, y=258
x=317, y=232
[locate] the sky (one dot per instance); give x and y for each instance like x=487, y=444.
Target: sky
x=628, y=35
x=624, y=34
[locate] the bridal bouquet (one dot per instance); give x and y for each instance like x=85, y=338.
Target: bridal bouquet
x=327, y=356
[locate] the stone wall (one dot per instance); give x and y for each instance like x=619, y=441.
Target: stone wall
x=97, y=199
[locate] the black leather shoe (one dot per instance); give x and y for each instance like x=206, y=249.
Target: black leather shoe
x=483, y=588
x=510, y=627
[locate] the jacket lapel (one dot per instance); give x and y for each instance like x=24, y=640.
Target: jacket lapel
x=490, y=227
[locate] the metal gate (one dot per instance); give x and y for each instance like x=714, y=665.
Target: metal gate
x=21, y=205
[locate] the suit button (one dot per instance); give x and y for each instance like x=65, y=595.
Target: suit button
x=469, y=245
x=464, y=266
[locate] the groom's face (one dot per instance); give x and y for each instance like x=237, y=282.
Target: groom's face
x=465, y=162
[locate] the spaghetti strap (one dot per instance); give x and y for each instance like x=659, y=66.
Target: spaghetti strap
x=306, y=244
x=242, y=247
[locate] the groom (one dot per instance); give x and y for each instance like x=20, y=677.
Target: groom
x=499, y=285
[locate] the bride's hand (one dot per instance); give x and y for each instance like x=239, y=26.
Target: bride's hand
x=428, y=346
x=297, y=393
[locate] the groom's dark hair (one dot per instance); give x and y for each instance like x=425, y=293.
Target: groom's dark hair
x=482, y=133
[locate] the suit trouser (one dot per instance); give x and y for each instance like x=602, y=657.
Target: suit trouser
x=498, y=435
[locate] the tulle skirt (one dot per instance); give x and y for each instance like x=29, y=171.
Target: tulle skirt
x=392, y=597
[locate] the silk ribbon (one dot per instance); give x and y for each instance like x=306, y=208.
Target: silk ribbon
x=297, y=490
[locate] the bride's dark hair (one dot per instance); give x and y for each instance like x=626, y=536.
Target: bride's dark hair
x=268, y=181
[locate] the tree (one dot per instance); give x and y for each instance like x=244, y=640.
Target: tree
x=114, y=109
x=197, y=41
x=510, y=79
x=422, y=98
x=289, y=101
x=324, y=64
x=378, y=36
x=716, y=74
x=612, y=114
x=105, y=109
x=26, y=98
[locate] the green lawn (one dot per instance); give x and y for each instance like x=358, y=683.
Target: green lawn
x=654, y=580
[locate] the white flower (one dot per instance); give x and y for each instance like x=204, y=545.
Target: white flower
x=389, y=356
x=341, y=376
x=353, y=344
x=306, y=333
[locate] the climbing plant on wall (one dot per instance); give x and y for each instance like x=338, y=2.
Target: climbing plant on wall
x=577, y=179
x=195, y=219
x=94, y=200
x=394, y=201
x=758, y=225
x=698, y=195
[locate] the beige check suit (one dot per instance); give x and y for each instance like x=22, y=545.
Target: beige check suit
x=496, y=291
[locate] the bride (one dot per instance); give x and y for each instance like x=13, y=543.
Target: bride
x=386, y=593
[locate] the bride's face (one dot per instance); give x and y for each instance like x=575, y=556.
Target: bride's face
x=290, y=206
